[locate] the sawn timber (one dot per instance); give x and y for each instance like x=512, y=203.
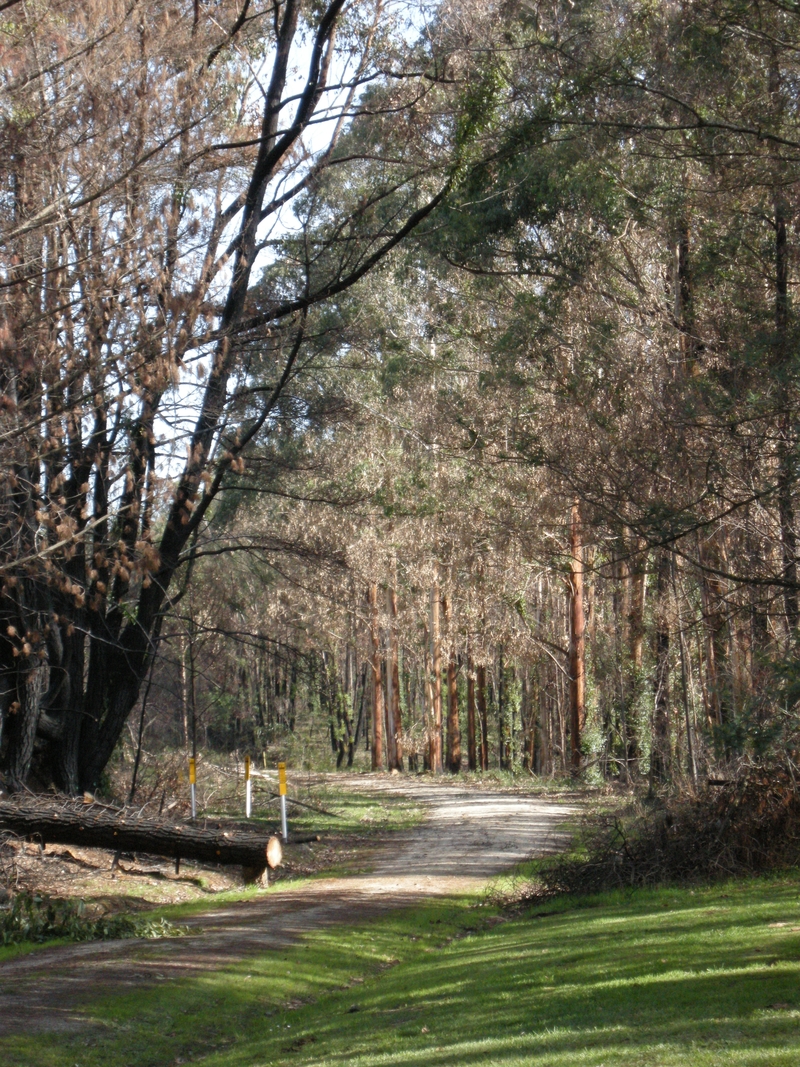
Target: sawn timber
x=98, y=826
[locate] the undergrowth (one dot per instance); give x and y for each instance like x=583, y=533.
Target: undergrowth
x=749, y=825
x=36, y=918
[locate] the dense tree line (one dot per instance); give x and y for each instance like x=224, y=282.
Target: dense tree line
x=495, y=459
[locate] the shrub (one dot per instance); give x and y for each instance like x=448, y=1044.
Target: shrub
x=748, y=825
x=34, y=917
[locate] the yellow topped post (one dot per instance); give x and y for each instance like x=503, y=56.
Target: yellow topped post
x=193, y=785
x=248, y=795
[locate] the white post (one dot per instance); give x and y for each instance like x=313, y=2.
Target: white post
x=282, y=791
x=248, y=795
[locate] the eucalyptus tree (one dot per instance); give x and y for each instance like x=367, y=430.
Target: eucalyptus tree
x=150, y=156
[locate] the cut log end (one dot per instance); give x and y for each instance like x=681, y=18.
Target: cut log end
x=274, y=853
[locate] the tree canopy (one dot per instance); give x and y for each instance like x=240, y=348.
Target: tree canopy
x=402, y=356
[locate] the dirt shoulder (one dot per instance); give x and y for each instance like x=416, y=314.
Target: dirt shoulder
x=467, y=836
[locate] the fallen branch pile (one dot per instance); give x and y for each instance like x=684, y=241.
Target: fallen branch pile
x=751, y=824
x=97, y=825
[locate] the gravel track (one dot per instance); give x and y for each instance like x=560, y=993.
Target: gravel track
x=467, y=837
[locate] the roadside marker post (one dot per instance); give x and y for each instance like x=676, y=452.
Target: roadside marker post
x=282, y=791
x=248, y=793
x=193, y=785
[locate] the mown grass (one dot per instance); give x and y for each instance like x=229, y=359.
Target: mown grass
x=654, y=978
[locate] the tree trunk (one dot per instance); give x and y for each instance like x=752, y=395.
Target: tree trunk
x=636, y=582
x=660, y=757
x=453, y=755
x=577, y=684
x=377, y=682
x=24, y=720
x=96, y=826
x=436, y=680
x=394, y=751
x=472, y=748
x=483, y=718
x=786, y=434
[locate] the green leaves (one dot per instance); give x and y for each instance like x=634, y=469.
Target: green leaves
x=36, y=917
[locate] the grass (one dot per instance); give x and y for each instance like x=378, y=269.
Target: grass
x=25, y=948
x=654, y=978
x=350, y=812
x=355, y=813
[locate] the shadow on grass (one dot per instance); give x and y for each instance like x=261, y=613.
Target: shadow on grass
x=660, y=977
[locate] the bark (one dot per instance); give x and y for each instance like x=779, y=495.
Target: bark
x=503, y=713
x=436, y=682
x=686, y=683
x=453, y=754
x=360, y=719
x=544, y=766
x=472, y=748
x=782, y=359
x=660, y=758
x=483, y=718
x=377, y=682
x=24, y=721
x=184, y=694
x=394, y=752
x=398, y=709
x=713, y=594
x=453, y=723
x=427, y=685
x=635, y=600
x=96, y=826
x=577, y=684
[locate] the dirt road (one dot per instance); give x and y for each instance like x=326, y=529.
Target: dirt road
x=467, y=837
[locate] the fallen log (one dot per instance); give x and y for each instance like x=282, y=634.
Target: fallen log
x=98, y=826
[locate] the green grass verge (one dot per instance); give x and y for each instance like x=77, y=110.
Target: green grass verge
x=25, y=948
x=651, y=979
x=351, y=812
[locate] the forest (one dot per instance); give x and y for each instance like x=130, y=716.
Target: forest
x=399, y=424
x=399, y=385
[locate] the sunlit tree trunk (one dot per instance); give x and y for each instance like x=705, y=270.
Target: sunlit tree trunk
x=483, y=718
x=436, y=680
x=472, y=747
x=377, y=682
x=394, y=753
x=577, y=644
x=635, y=599
x=660, y=755
x=453, y=752
x=430, y=711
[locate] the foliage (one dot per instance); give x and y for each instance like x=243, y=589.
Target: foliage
x=751, y=824
x=32, y=917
